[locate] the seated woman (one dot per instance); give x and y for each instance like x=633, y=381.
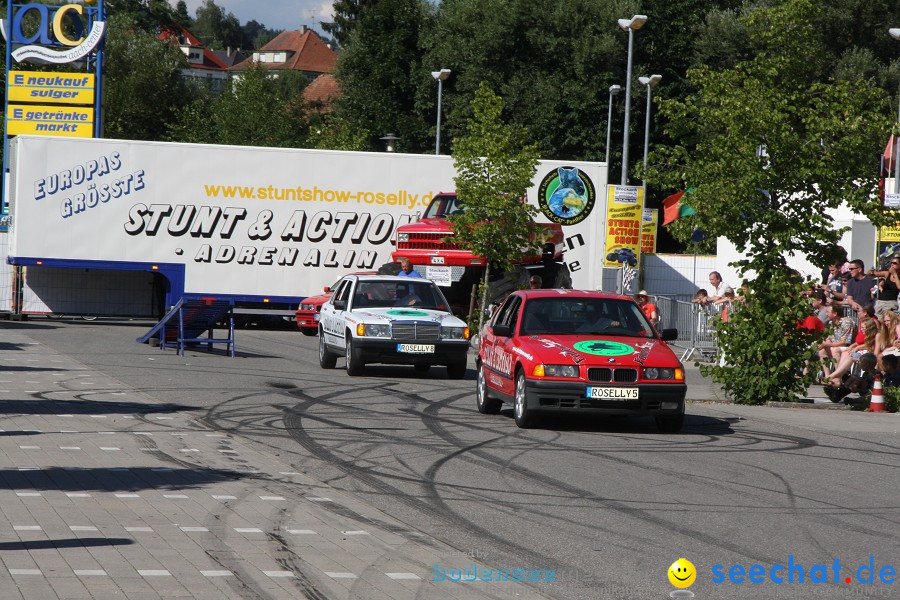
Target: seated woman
x=868, y=330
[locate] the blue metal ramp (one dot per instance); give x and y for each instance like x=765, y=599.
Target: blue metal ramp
x=188, y=320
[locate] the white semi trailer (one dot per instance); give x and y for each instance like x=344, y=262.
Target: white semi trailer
x=116, y=227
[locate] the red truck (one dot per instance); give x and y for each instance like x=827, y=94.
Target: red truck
x=425, y=244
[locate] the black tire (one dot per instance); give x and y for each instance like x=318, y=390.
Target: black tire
x=355, y=364
x=422, y=367
x=507, y=283
x=524, y=417
x=670, y=424
x=390, y=268
x=563, y=279
x=308, y=331
x=327, y=359
x=486, y=404
x=456, y=370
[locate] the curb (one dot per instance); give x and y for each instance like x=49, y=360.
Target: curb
x=808, y=405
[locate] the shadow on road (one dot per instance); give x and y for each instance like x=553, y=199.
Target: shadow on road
x=67, y=543
x=39, y=406
x=693, y=424
x=102, y=479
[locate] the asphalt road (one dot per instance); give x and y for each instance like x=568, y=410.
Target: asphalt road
x=608, y=505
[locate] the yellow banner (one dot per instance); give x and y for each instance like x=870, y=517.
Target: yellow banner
x=648, y=231
x=50, y=120
x=624, y=213
x=63, y=88
x=889, y=234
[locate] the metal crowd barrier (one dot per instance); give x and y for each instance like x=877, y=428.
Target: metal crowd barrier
x=694, y=322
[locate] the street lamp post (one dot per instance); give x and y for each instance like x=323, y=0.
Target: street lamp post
x=895, y=33
x=650, y=82
x=440, y=76
x=390, y=140
x=613, y=90
x=631, y=25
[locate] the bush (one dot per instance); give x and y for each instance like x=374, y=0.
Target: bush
x=892, y=398
x=765, y=353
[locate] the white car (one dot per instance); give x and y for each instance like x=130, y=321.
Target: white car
x=392, y=320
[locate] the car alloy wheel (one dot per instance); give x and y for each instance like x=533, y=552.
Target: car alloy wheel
x=523, y=416
x=354, y=363
x=327, y=360
x=486, y=405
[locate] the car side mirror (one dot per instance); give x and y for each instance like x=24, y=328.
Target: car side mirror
x=502, y=330
x=340, y=304
x=327, y=289
x=668, y=335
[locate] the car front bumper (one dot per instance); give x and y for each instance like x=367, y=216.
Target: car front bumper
x=377, y=350
x=571, y=397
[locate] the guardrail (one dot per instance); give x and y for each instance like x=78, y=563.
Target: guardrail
x=694, y=322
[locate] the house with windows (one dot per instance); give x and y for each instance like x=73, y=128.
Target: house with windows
x=301, y=50
x=203, y=64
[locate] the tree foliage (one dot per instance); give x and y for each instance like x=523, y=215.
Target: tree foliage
x=145, y=87
x=769, y=146
x=347, y=15
x=494, y=167
x=255, y=110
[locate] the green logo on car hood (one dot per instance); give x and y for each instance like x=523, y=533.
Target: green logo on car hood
x=603, y=348
x=406, y=313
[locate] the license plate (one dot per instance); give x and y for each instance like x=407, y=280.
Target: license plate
x=437, y=260
x=415, y=348
x=612, y=393
x=316, y=317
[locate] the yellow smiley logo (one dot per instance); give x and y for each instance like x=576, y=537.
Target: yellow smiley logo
x=682, y=573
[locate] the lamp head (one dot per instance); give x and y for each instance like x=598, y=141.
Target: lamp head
x=634, y=23
x=615, y=89
x=895, y=32
x=441, y=75
x=651, y=81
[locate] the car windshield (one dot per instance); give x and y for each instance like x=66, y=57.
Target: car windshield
x=392, y=293
x=584, y=316
x=441, y=206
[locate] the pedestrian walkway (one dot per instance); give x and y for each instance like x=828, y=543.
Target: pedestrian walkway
x=703, y=389
x=106, y=493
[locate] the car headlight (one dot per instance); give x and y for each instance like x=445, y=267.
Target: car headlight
x=555, y=371
x=370, y=330
x=402, y=237
x=308, y=307
x=454, y=333
x=665, y=373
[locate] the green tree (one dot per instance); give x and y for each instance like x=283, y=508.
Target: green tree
x=379, y=73
x=769, y=146
x=256, y=110
x=347, y=14
x=494, y=168
x=144, y=84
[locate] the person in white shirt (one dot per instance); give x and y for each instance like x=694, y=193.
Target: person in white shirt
x=718, y=288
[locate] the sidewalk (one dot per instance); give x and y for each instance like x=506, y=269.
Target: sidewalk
x=703, y=389
x=106, y=493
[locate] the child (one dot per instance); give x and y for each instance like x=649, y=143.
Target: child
x=891, y=364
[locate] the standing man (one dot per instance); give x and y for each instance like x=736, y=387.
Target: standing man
x=406, y=269
x=858, y=289
x=650, y=311
x=535, y=283
x=718, y=288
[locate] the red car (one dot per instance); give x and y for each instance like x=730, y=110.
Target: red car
x=578, y=352
x=307, y=315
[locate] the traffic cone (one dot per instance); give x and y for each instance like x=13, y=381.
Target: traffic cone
x=876, y=404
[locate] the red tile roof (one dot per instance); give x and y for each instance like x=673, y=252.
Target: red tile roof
x=174, y=34
x=321, y=92
x=305, y=52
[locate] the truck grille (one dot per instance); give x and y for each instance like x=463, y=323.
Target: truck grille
x=604, y=374
x=427, y=241
x=416, y=331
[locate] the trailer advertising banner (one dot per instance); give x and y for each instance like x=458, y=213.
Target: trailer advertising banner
x=249, y=222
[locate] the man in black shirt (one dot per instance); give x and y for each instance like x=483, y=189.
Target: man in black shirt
x=858, y=289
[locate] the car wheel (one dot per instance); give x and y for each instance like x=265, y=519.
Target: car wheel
x=456, y=370
x=524, y=418
x=670, y=424
x=422, y=367
x=308, y=331
x=354, y=362
x=486, y=404
x=326, y=358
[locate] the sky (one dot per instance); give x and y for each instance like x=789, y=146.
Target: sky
x=274, y=14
